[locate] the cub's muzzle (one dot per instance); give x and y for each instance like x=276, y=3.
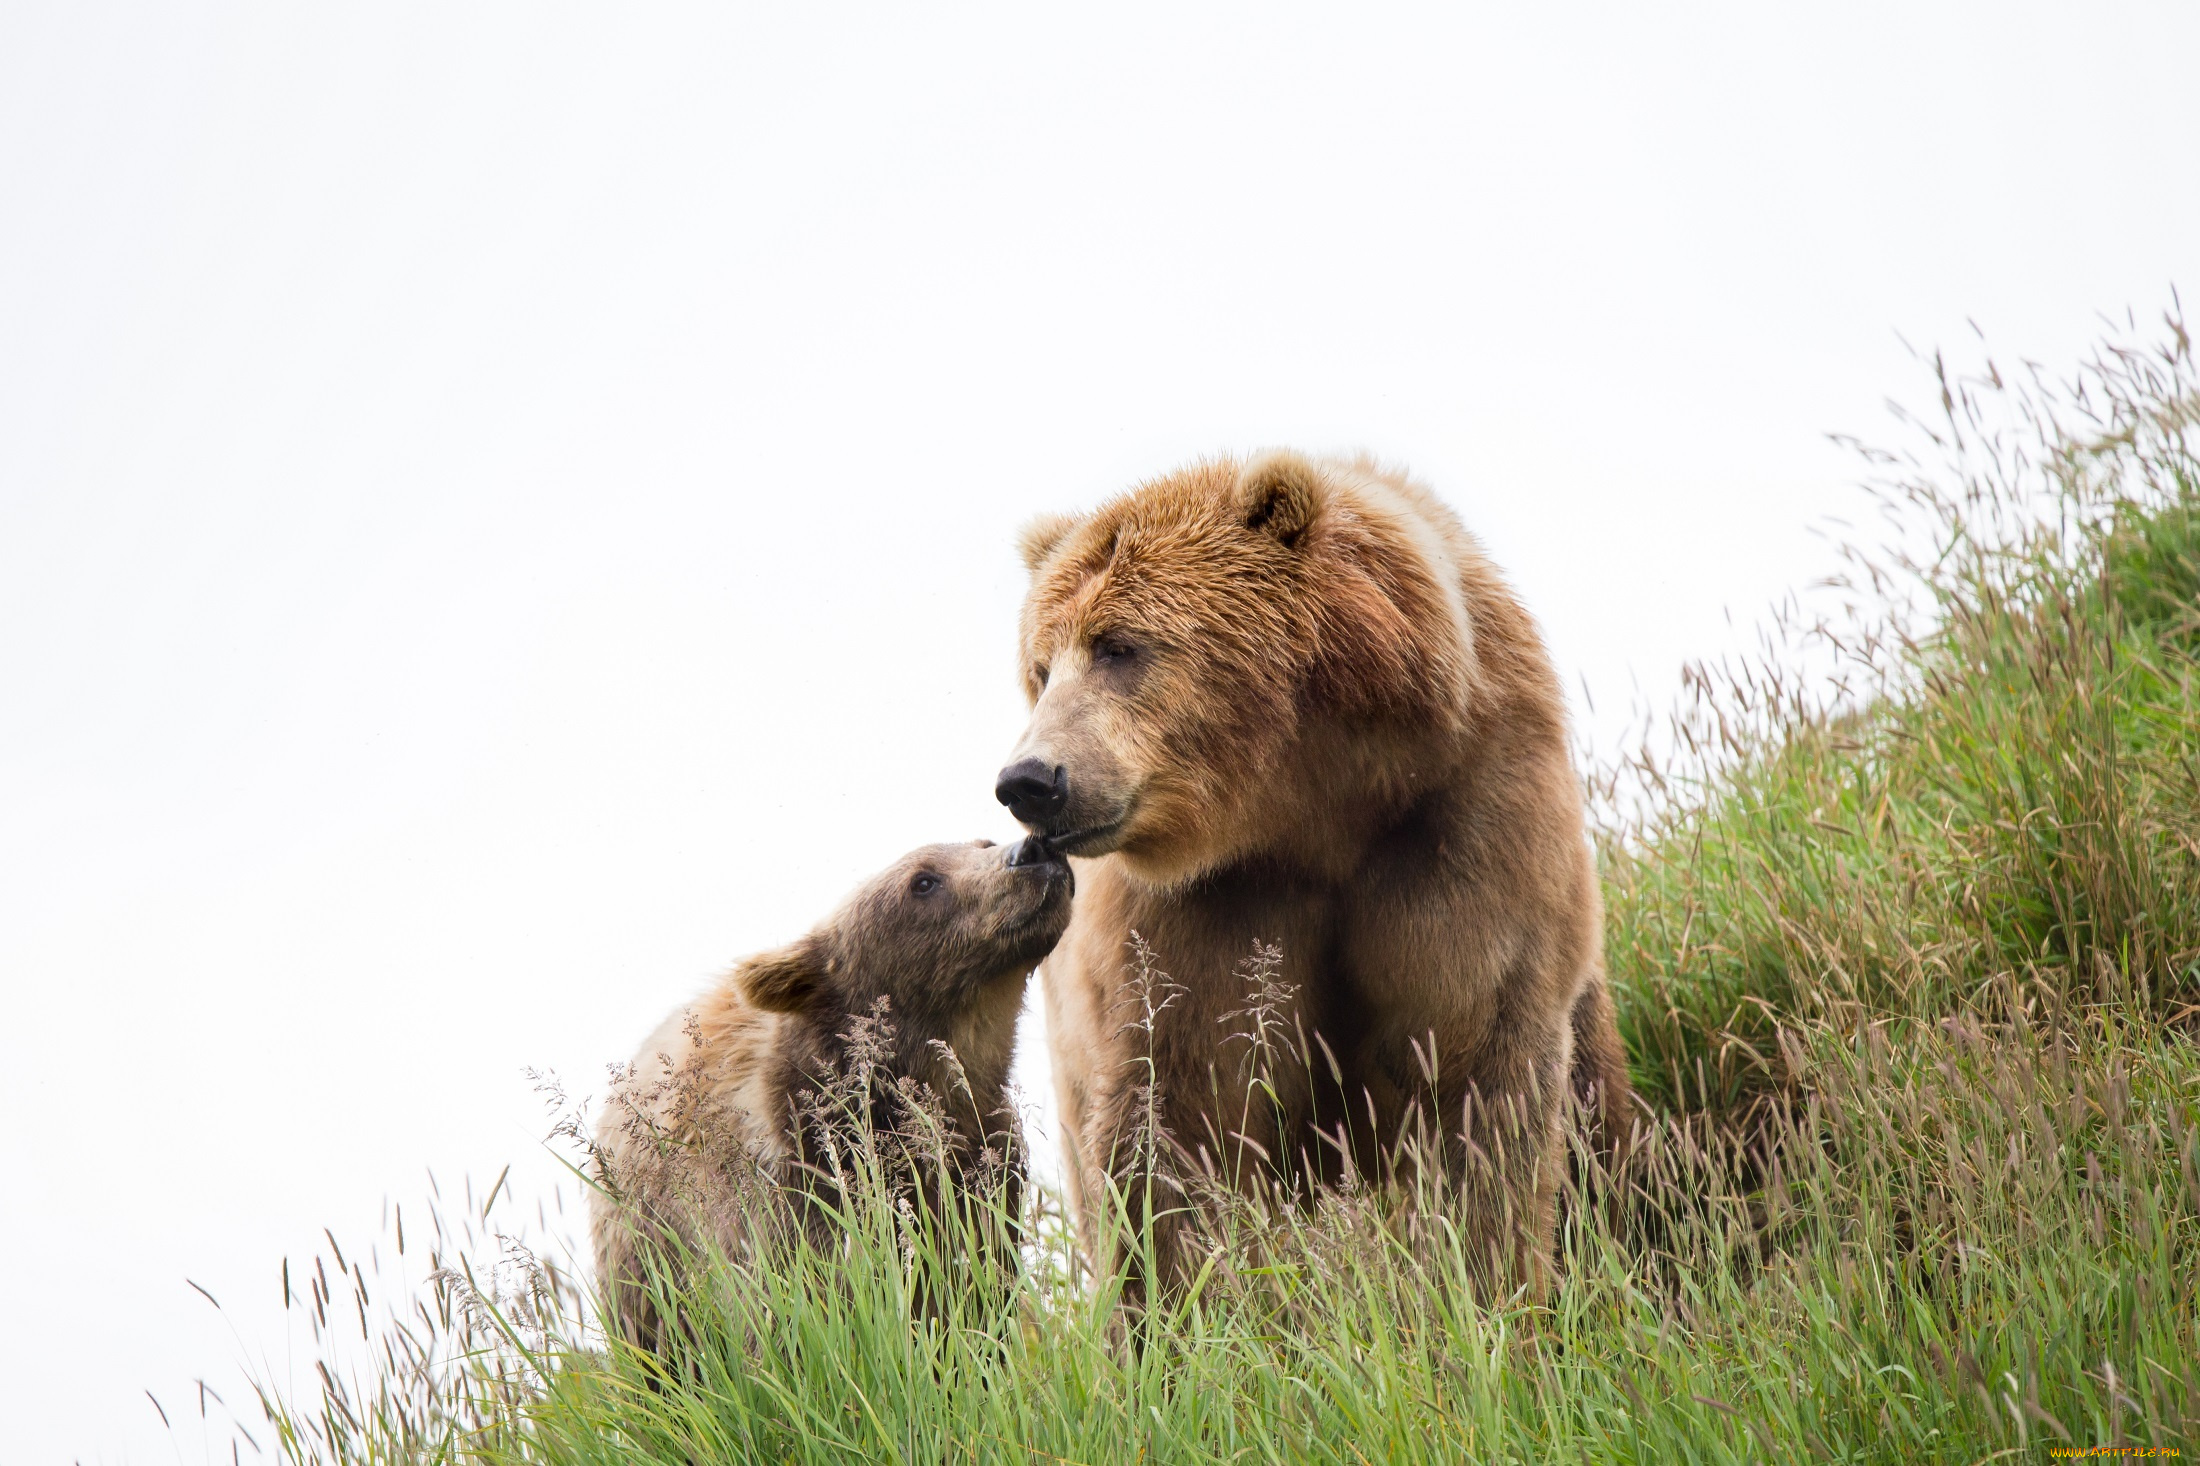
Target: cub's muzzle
x=1032, y=850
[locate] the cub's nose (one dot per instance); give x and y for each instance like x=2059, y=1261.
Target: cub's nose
x=1031, y=850
x=1033, y=792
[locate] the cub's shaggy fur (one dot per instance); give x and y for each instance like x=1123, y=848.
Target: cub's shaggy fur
x=1291, y=702
x=710, y=1137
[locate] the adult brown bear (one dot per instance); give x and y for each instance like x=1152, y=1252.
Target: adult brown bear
x=1291, y=702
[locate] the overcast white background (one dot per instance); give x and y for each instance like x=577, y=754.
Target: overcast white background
x=504, y=509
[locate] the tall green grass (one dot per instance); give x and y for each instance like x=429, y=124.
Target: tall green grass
x=1908, y=957
x=2014, y=793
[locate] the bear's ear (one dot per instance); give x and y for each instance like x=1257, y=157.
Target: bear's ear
x=786, y=981
x=1279, y=495
x=1038, y=539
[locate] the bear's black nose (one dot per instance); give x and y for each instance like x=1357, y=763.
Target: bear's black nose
x=1031, y=850
x=1033, y=792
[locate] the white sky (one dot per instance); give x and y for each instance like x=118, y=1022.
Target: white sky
x=506, y=508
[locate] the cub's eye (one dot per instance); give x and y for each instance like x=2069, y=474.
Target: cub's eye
x=1039, y=674
x=1113, y=649
x=924, y=885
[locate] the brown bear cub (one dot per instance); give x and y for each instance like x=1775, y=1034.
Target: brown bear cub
x=719, y=1135
x=1290, y=702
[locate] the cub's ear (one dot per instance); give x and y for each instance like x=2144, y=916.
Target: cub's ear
x=786, y=981
x=1280, y=495
x=1038, y=539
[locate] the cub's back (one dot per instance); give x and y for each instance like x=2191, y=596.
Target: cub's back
x=693, y=1132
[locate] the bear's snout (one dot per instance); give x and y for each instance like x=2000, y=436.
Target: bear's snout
x=1032, y=850
x=1033, y=791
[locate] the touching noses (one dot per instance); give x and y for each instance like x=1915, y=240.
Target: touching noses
x=1033, y=791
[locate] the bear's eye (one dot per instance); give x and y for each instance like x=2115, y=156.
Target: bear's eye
x=1113, y=649
x=924, y=885
x=1039, y=674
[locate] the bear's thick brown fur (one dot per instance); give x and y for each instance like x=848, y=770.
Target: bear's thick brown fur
x=707, y=1140
x=1291, y=702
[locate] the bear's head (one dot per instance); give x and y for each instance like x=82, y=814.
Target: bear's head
x=945, y=934
x=1185, y=646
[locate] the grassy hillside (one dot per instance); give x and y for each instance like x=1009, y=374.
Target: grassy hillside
x=1909, y=961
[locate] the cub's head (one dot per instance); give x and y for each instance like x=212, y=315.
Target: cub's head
x=942, y=933
x=1177, y=642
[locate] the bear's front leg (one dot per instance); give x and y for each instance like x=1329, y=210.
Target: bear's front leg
x=1504, y=1153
